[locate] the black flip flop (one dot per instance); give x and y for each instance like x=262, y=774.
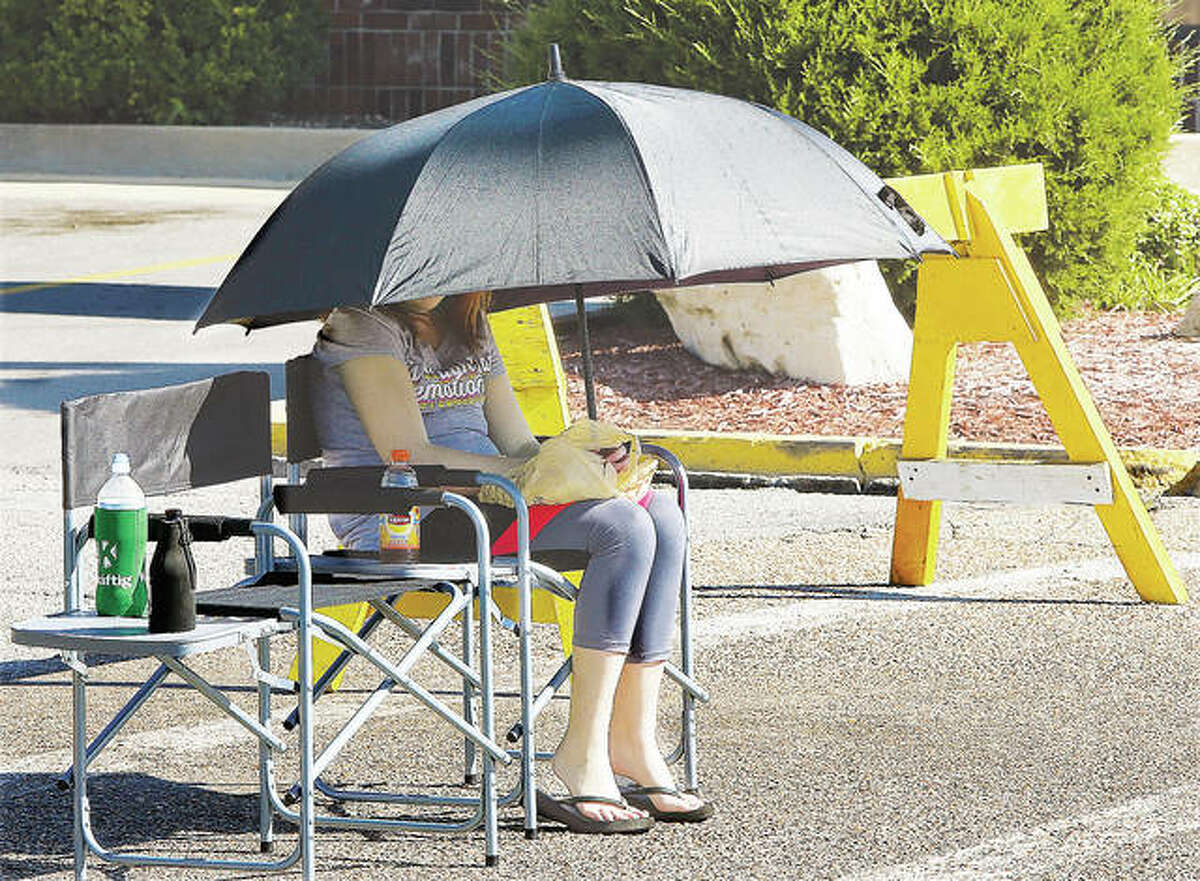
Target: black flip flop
x=639, y=797
x=564, y=810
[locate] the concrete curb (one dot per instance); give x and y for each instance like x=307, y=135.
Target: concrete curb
x=253, y=156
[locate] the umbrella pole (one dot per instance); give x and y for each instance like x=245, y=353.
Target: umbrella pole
x=585, y=349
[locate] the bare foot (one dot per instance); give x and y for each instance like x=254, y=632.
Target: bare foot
x=646, y=767
x=585, y=777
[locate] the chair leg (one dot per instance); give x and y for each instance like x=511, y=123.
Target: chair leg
x=79, y=747
x=488, y=721
x=266, y=816
x=470, y=757
x=691, y=774
x=116, y=723
x=528, y=777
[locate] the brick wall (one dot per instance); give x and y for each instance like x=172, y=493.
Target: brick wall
x=390, y=60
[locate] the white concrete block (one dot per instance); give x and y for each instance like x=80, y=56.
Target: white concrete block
x=1190, y=325
x=832, y=325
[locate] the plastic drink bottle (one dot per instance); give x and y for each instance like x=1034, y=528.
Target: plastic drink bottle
x=120, y=530
x=400, y=534
x=173, y=577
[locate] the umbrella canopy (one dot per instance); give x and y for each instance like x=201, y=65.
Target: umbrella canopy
x=565, y=189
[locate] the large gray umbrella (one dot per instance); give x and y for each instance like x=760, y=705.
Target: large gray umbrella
x=566, y=189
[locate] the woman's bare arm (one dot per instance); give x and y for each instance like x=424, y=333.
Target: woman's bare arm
x=506, y=423
x=381, y=391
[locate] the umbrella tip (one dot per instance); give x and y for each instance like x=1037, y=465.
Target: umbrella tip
x=556, y=70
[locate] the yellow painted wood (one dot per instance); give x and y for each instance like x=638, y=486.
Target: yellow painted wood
x=279, y=437
x=525, y=338
x=1077, y=421
x=926, y=427
x=993, y=294
x=960, y=318
x=1015, y=196
x=759, y=453
x=353, y=615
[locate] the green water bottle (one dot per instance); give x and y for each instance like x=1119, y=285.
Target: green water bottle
x=120, y=531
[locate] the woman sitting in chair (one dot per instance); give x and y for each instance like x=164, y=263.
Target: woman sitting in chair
x=425, y=376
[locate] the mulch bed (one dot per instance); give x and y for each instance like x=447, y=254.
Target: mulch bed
x=1145, y=382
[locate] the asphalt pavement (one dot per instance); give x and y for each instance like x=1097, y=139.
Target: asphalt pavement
x=1023, y=717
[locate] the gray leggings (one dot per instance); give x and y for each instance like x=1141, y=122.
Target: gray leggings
x=630, y=589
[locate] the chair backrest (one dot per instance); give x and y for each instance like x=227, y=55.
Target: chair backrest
x=178, y=437
x=302, y=443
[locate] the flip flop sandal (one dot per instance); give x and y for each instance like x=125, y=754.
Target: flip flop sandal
x=639, y=797
x=564, y=810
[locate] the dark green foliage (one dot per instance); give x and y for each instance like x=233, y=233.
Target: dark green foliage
x=909, y=86
x=1164, y=270
x=1172, y=238
x=155, y=61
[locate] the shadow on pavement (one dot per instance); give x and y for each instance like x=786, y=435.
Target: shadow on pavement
x=78, y=379
x=128, y=811
x=159, y=302
x=876, y=592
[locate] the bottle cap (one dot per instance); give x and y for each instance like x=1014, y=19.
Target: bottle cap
x=120, y=463
x=399, y=455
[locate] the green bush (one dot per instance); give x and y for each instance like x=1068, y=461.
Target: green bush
x=1164, y=270
x=1087, y=87
x=155, y=61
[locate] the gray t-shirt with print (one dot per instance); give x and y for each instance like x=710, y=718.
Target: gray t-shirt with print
x=449, y=382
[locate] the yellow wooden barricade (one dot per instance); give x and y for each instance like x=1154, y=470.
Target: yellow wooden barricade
x=990, y=293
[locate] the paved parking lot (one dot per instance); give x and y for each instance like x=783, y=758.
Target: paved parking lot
x=1024, y=717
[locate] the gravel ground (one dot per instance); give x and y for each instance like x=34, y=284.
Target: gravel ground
x=1144, y=381
x=1023, y=717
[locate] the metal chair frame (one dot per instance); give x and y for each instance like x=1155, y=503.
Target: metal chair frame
x=479, y=578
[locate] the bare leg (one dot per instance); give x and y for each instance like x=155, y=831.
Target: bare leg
x=581, y=761
x=633, y=746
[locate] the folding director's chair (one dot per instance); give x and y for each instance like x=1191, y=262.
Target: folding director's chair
x=527, y=590
x=180, y=437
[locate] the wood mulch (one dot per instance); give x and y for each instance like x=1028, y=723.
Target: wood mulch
x=1145, y=382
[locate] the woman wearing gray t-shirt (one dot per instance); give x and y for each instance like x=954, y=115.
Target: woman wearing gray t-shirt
x=425, y=376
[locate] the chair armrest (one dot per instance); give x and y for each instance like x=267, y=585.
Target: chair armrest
x=356, y=490
x=203, y=527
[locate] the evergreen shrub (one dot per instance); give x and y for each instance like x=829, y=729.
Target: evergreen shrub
x=212, y=62
x=1087, y=87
